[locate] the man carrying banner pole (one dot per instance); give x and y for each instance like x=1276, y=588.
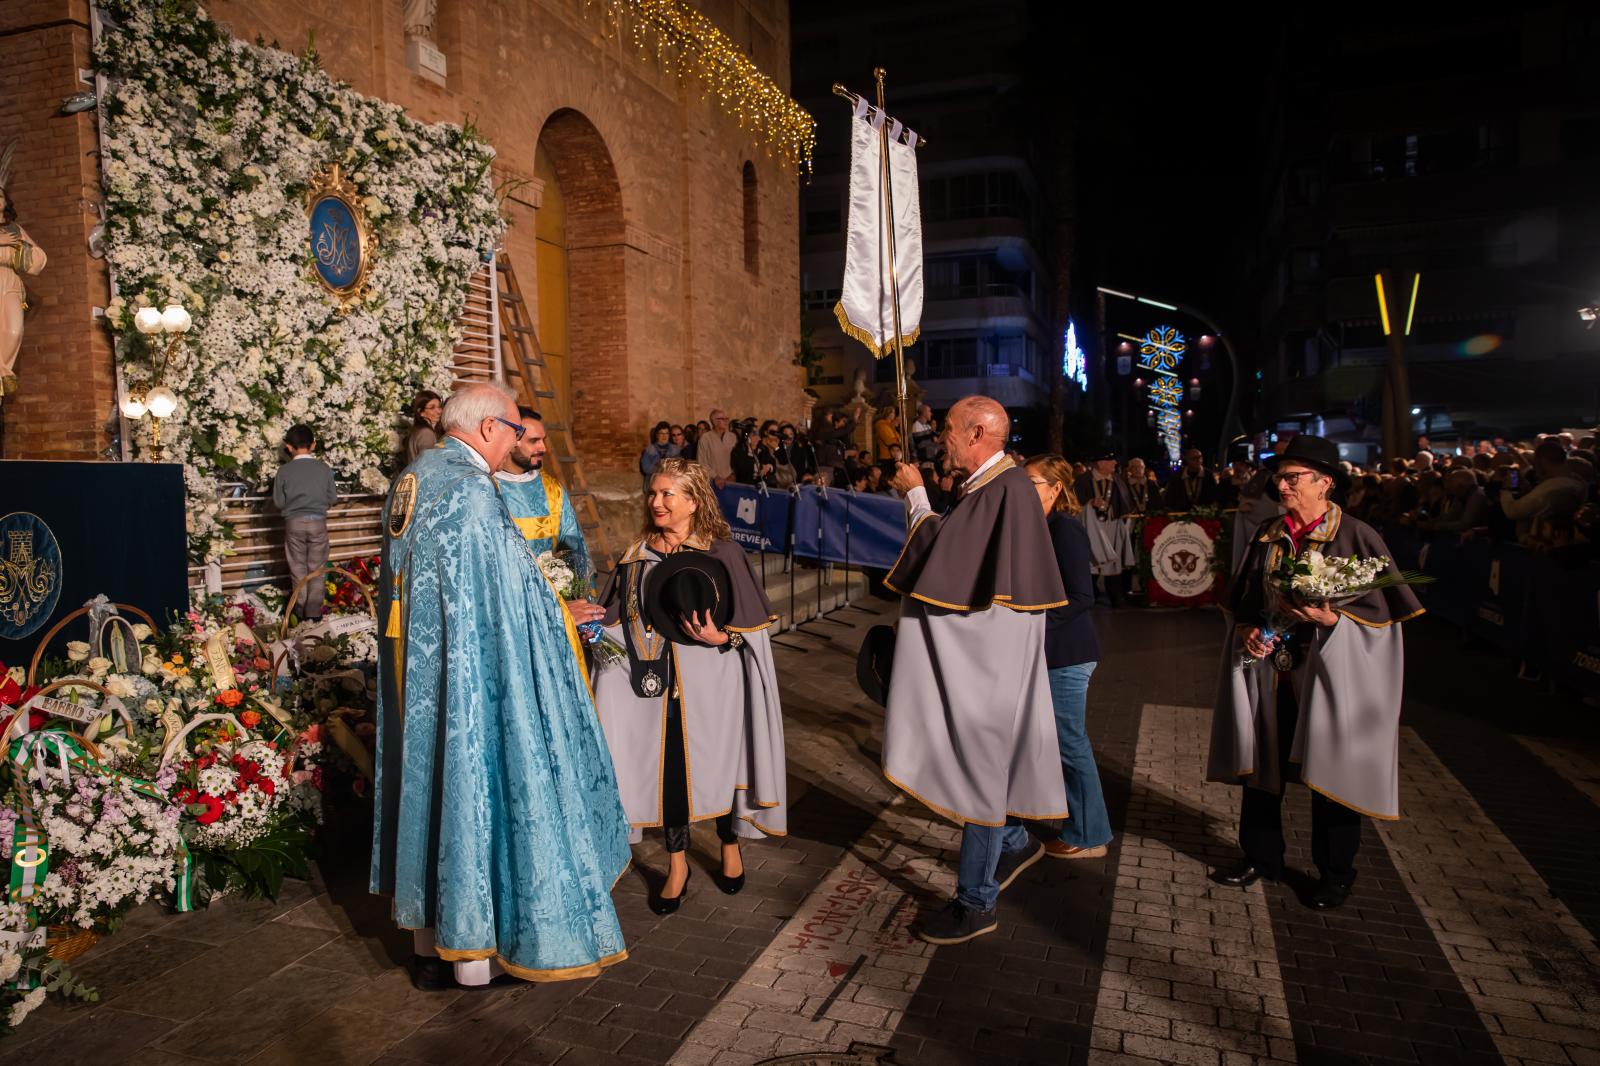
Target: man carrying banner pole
x=969, y=727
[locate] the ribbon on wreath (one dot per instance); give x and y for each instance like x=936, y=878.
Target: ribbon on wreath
x=30, y=758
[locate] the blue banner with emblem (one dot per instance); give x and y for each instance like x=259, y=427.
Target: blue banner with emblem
x=758, y=517
x=72, y=531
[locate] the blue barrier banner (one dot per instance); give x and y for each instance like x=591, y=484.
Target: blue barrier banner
x=759, y=519
x=858, y=528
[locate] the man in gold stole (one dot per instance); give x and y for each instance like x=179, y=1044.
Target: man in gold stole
x=537, y=505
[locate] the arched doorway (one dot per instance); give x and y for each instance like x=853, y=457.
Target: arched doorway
x=581, y=300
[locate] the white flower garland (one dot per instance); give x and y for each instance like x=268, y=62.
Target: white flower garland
x=210, y=143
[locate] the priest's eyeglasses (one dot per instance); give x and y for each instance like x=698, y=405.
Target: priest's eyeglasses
x=516, y=427
x=1293, y=478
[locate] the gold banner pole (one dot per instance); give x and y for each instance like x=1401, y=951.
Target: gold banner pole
x=894, y=278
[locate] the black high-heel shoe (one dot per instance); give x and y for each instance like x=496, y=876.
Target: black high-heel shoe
x=730, y=885
x=659, y=904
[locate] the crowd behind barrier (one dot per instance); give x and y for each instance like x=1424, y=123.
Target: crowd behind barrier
x=1542, y=608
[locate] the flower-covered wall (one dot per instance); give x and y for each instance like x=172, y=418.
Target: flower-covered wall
x=210, y=146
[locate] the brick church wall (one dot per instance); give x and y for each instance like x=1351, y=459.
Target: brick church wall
x=664, y=321
x=67, y=398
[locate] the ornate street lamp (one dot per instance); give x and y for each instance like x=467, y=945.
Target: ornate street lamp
x=158, y=401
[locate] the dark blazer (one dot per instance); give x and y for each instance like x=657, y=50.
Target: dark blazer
x=1069, y=633
x=1177, y=497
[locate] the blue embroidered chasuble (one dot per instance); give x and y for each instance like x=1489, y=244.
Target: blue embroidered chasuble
x=546, y=517
x=497, y=822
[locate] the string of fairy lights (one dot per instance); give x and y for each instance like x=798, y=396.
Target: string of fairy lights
x=687, y=42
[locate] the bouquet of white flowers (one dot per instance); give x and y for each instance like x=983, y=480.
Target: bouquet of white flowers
x=570, y=585
x=1335, y=579
x=1330, y=580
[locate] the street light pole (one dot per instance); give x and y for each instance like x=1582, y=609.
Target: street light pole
x=1230, y=418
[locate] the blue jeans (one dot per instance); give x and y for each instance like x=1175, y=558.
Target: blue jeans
x=1089, y=825
x=981, y=848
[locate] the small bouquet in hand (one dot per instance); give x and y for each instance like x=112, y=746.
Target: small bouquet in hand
x=1331, y=580
x=570, y=585
x=1334, y=579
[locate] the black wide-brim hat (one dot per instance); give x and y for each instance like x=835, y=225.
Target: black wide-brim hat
x=1319, y=453
x=684, y=584
x=874, y=663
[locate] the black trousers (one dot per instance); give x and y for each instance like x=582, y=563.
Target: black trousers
x=675, y=788
x=1335, y=828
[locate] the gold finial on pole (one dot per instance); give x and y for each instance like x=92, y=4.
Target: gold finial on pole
x=887, y=231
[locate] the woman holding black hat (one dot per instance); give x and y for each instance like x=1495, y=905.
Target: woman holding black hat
x=692, y=716
x=1309, y=692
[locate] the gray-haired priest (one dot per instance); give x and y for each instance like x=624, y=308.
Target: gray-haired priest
x=1310, y=692
x=970, y=728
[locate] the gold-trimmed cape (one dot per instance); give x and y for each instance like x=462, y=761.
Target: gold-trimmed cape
x=969, y=729
x=734, y=754
x=1347, y=681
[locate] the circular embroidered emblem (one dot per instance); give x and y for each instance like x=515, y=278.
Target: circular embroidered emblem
x=651, y=684
x=30, y=574
x=1180, y=560
x=401, y=503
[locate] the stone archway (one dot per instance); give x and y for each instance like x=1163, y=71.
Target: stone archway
x=582, y=298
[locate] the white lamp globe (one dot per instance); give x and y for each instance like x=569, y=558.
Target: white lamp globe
x=147, y=320
x=175, y=319
x=161, y=401
x=132, y=407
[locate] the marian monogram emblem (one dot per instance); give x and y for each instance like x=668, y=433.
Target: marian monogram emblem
x=341, y=238
x=651, y=684
x=30, y=574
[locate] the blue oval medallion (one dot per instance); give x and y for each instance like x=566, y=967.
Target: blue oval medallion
x=30, y=574
x=336, y=243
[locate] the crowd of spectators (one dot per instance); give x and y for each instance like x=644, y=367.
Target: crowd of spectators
x=1539, y=493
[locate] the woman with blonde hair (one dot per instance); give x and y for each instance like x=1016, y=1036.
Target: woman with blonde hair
x=691, y=716
x=1072, y=650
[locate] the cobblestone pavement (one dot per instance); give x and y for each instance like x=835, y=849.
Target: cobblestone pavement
x=1471, y=937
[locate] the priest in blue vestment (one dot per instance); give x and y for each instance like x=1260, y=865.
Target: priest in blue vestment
x=537, y=505
x=497, y=828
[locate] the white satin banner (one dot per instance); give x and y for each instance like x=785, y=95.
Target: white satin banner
x=866, y=304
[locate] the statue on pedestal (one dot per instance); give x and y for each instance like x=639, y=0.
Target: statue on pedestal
x=422, y=52
x=19, y=258
x=861, y=408
x=419, y=18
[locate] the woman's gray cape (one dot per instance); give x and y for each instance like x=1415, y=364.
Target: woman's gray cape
x=733, y=722
x=1348, y=689
x=970, y=727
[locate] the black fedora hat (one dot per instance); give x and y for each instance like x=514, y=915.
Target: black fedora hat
x=874, y=663
x=684, y=584
x=1319, y=453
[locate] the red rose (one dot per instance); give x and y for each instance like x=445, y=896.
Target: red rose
x=187, y=795
x=10, y=691
x=265, y=785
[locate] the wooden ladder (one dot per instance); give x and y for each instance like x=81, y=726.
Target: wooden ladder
x=524, y=361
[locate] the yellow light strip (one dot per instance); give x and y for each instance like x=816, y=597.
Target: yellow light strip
x=1383, y=304
x=1136, y=340
x=1416, y=283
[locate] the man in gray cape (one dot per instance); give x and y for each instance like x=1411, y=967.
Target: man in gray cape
x=970, y=727
x=1310, y=692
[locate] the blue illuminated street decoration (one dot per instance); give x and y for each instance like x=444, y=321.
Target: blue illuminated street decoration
x=1162, y=349
x=1166, y=392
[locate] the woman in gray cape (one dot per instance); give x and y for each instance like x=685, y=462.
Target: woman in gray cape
x=1319, y=699
x=692, y=718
